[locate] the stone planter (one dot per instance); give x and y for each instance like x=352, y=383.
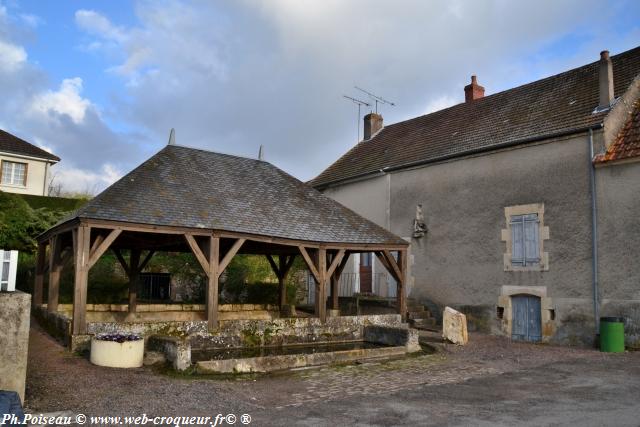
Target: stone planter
x=113, y=354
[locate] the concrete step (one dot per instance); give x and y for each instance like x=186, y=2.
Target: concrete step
x=425, y=323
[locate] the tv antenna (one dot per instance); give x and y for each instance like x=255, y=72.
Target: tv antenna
x=376, y=98
x=360, y=104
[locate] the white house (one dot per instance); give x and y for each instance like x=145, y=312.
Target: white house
x=24, y=168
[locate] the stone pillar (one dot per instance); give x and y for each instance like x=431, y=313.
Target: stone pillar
x=14, y=340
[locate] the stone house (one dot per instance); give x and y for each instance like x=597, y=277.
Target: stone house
x=24, y=168
x=521, y=206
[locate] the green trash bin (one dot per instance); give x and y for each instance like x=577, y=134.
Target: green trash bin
x=612, y=334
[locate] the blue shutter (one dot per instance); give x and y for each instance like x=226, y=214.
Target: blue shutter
x=531, y=247
x=517, y=240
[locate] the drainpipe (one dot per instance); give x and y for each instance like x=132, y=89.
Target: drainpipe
x=594, y=236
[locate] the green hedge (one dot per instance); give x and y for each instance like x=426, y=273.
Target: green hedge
x=65, y=204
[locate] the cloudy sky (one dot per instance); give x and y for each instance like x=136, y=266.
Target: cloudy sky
x=101, y=83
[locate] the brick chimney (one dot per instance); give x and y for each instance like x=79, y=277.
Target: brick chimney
x=473, y=91
x=606, y=80
x=372, y=124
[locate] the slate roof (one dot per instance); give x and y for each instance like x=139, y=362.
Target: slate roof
x=552, y=105
x=627, y=142
x=12, y=144
x=187, y=187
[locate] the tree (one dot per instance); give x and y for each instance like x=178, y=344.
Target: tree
x=20, y=224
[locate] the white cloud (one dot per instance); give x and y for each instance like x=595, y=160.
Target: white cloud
x=440, y=103
x=95, y=23
x=32, y=21
x=12, y=57
x=65, y=101
x=85, y=181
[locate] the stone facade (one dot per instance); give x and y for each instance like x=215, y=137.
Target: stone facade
x=460, y=262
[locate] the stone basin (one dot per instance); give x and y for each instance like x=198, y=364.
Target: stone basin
x=299, y=357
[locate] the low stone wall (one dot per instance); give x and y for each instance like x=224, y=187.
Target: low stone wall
x=277, y=332
x=152, y=308
x=15, y=309
x=290, y=361
x=393, y=336
x=176, y=350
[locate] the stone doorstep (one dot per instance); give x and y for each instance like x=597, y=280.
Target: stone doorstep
x=283, y=362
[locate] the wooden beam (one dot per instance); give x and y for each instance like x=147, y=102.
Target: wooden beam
x=99, y=239
x=274, y=266
x=343, y=264
x=282, y=276
x=146, y=260
x=402, y=284
x=55, y=267
x=309, y=262
x=395, y=270
x=123, y=262
x=385, y=263
x=289, y=263
x=321, y=294
x=335, y=282
x=212, y=285
x=335, y=262
x=36, y=300
x=197, y=252
x=82, y=241
x=134, y=272
x=102, y=247
x=229, y=256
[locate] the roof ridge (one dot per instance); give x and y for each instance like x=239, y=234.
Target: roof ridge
x=524, y=85
x=558, y=103
x=189, y=147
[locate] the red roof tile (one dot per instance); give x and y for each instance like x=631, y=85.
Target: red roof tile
x=627, y=143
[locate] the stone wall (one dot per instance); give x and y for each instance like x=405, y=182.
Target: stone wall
x=619, y=245
x=15, y=309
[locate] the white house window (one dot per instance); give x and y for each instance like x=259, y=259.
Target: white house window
x=524, y=238
x=14, y=173
x=8, y=269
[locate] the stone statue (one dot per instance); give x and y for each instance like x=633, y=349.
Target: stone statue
x=419, y=227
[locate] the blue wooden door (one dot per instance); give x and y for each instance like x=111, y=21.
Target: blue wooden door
x=526, y=318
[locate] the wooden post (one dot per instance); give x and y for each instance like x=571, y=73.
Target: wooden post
x=282, y=287
x=335, y=281
x=39, y=280
x=82, y=244
x=134, y=273
x=55, y=267
x=402, y=285
x=321, y=294
x=212, y=287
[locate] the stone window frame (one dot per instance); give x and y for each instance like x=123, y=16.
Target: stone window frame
x=543, y=234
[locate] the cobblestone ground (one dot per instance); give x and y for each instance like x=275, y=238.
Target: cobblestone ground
x=378, y=378
x=59, y=381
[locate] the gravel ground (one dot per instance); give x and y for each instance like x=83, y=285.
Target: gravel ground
x=410, y=388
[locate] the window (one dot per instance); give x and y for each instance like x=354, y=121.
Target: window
x=525, y=250
x=524, y=237
x=14, y=173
